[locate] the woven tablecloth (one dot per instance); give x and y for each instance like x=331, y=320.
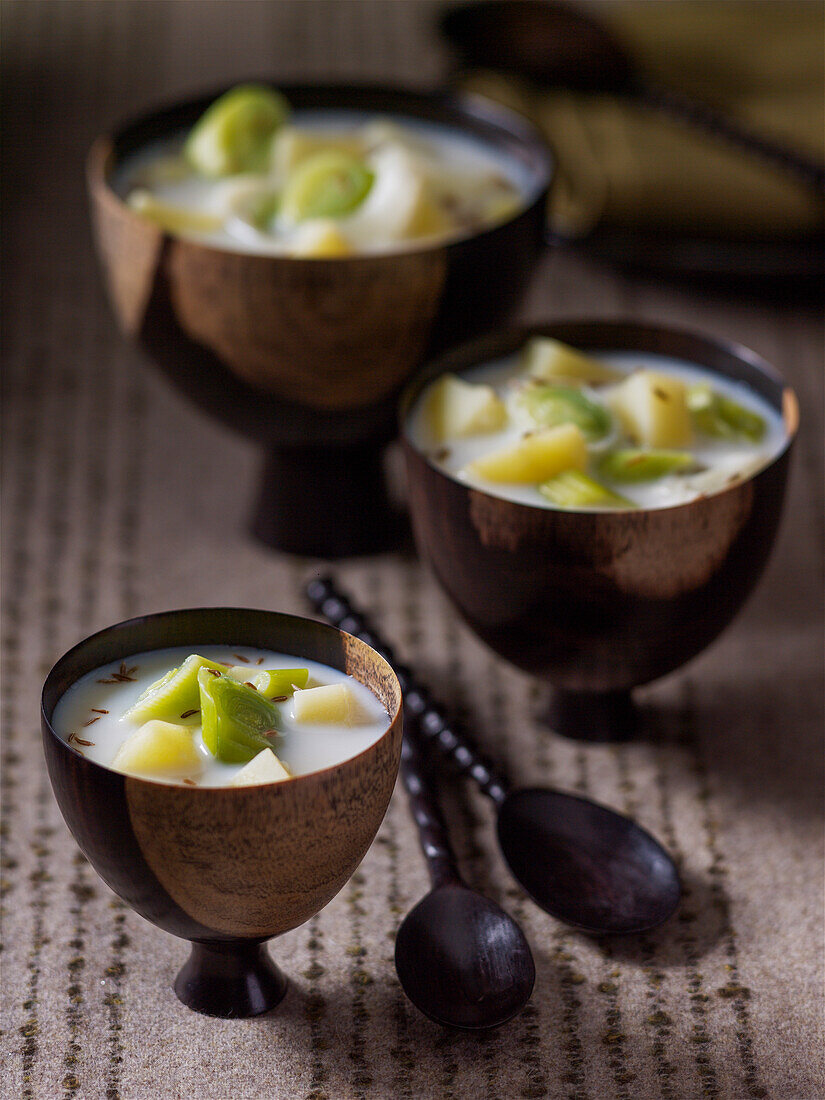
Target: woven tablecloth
x=119, y=498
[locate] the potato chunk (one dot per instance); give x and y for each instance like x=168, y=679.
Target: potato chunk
x=653, y=409
x=173, y=219
x=263, y=768
x=552, y=361
x=540, y=456
x=320, y=239
x=162, y=749
x=457, y=408
x=333, y=704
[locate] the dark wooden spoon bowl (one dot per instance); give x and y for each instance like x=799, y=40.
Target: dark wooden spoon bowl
x=460, y=958
x=599, y=871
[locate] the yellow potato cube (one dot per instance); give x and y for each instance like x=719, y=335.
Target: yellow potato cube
x=653, y=409
x=552, y=361
x=541, y=455
x=428, y=219
x=458, y=408
x=332, y=704
x=160, y=749
x=263, y=768
x=502, y=207
x=167, y=169
x=319, y=239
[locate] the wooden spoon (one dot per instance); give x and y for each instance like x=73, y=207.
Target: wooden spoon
x=580, y=861
x=557, y=46
x=459, y=957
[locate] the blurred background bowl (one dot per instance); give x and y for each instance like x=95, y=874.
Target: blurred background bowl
x=328, y=333
x=307, y=355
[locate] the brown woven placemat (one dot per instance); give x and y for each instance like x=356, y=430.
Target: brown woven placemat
x=119, y=498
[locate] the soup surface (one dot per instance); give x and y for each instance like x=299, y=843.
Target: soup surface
x=553, y=428
x=92, y=716
x=322, y=183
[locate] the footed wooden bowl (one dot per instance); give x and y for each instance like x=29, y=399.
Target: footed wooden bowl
x=307, y=355
x=597, y=603
x=226, y=868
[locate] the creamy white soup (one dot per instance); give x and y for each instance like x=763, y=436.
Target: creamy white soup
x=307, y=716
x=320, y=183
x=552, y=427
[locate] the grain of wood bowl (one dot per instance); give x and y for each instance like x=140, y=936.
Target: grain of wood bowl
x=597, y=603
x=307, y=356
x=334, y=333
x=226, y=868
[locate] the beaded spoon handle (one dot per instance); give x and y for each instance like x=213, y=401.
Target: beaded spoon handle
x=432, y=830
x=418, y=703
x=580, y=861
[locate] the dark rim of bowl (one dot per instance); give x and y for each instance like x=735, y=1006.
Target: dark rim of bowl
x=490, y=122
x=157, y=616
x=592, y=336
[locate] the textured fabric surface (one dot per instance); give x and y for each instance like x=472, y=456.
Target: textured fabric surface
x=120, y=498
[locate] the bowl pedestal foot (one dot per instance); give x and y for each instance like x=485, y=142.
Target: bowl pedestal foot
x=233, y=979
x=325, y=501
x=592, y=715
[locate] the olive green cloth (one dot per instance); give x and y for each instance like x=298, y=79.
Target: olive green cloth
x=621, y=164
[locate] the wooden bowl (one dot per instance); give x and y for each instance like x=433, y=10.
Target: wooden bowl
x=308, y=355
x=326, y=333
x=596, y=603
x=226, y=868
